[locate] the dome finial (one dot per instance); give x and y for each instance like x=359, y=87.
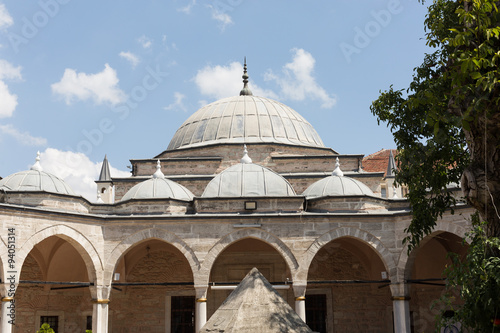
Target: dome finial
x=245, y=159
x=245, y=91
x=158, y=173
x=337, y=171
x=37, y=166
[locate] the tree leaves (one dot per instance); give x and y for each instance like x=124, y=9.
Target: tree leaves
x=449, y=93
x=477, y=280
x=447, y=124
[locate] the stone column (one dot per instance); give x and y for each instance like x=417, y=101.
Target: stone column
x=100, y=300
x=401, y=307
x=201, y=307
x=8, y=314
x=299, y=290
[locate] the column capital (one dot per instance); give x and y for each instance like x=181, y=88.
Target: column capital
x=100, y=292
x=201, y=292
x=400, y=289
x=299, y=289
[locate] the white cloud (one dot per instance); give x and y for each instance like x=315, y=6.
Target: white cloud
x=130, y=57
x=177, y=104
x=8, y=101
x=5, y=19
x=145, y=42
x=7, y=71
x=225, y=81
x=22, y=137
x=187, y=9
x=298, y=83
x=101, y=87
x=223, y=18
x=77, y=170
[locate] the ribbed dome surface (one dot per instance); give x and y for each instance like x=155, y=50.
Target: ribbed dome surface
x=248, y=180
x=337, y=186
x=245, y=119
x=158, y=188
x=35, y=180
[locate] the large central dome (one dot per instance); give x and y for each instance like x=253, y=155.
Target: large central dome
x=245, y=119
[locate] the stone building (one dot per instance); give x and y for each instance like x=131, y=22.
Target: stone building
x=245, y=182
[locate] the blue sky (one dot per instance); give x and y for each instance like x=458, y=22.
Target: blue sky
x=81, y=79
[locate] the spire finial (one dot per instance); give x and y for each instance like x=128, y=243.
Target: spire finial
x=391, y=166
x=245, y=91
x=105, y=175
x=37, y=166
x=158, y=173
x=337, y=171
x=245, y=159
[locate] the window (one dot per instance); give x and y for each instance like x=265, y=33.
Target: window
x=182, y=312
x=53, y=321
x=89, y=323
x=383, y=192
x=316, y=312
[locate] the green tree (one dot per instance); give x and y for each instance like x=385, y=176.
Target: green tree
x=446, y=125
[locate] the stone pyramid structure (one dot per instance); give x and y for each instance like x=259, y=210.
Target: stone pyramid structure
x=255, y=306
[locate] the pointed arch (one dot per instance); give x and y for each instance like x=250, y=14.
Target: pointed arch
x=140, y=236
x=204, y=274
x=351, y=232
x=405, y=261
x=74, y=237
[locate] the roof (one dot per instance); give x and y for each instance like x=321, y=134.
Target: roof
x=158, y=187
x=379, y=161
x=248, y=180
x=245, y=119
x=35, y=179
x=255, y=306
x=105, y=175
x=337, y=185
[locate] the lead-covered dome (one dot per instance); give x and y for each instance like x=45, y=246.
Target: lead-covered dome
x=246, y=179
x=158, y=187
x=35, y=179
x=245, y=119
x=337, y=185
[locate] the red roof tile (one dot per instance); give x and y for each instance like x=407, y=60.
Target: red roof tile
x=377, y=162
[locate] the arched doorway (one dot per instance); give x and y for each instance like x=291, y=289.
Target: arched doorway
x=153, y=290
x=54, y=288
x=344, y=289
x=237, y=259
x=426, y=274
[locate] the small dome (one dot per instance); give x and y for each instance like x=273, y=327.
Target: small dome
x=35, y=179
x=248, y=180
x=158, y=187
x=337, y=185
x=245, y=119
